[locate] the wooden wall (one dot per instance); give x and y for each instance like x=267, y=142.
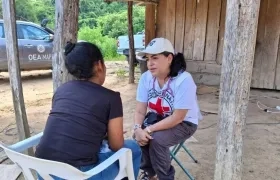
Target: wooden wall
x=196, y=28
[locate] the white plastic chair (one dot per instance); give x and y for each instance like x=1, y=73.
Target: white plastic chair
x=62, y=170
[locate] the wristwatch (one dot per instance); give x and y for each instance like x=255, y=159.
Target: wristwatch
x=136, y=126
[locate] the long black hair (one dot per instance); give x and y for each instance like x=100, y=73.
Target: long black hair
x=178, y=63
x=80, y=59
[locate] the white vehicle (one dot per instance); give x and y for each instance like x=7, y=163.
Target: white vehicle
x=123, y=44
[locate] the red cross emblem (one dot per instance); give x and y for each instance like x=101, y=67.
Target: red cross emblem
x=158, y=107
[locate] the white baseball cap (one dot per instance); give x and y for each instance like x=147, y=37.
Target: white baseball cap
x=157, y=46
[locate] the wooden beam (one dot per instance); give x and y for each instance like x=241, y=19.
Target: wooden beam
x=180, y=25
x=221, y=32
x=170, y=20
x=132, y=57
x=189, y=36
x=150, y=30
x=140, y=1
x=200, y=29
x=8, y=7
x=150, y=23
x=66, y=29
x=161, y=17
x=212, y=35
x=237, y=65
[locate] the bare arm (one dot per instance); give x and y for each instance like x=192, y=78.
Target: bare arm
x=140, y=112
x=171, y=121
x=142, y=137
x=115, y=133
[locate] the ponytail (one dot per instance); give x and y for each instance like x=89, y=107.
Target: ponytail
x=178, y=64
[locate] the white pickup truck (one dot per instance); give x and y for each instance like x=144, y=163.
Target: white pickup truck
x=123, y=44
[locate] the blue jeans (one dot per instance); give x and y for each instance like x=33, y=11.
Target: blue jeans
x=112, y=171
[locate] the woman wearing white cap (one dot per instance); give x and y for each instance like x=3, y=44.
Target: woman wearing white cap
x=169, y=93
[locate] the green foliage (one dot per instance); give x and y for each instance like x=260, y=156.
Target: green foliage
x=24, y=10
x=99, y=22
x=90, y=10
x=115, y=25
x=121, y=73
x=44, y=9
x=106, y=44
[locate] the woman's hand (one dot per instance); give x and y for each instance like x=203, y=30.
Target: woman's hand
x=142, y=136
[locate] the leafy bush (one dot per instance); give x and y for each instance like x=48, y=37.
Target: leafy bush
x=107, y=45
x=115, y=24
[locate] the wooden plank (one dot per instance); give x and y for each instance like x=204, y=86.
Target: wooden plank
x=150, y=30
x=14, y=70
x=180, y=25
x=160, y=19
x=139, y=1
x=132, y=57
x=150, y=23
x=270, y=45
x=66, y=29
x=9, y=172
x=204, y=72
x=212, y=35
x=221, y=32
x=203, y=67
x=200, y=29
x=240, y=40
x=189, y=28
x=277, y=71
x=170, y=20
x=259, y=55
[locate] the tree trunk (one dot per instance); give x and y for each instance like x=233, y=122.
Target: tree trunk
x=66, y=29
x=237, y=65
x=14, y=69
x=132, y=57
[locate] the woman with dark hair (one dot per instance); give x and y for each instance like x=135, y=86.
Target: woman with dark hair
x=83, y=114
x=169, y=93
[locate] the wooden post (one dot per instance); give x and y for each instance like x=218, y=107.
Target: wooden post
x=150, y=30
x=14, y=69
x=66, y=29
x=237, y=65
x=132, y=57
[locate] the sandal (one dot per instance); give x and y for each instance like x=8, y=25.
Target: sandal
x=144, y=176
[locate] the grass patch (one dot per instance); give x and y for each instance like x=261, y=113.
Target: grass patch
x=121, y=73
x=117, y=58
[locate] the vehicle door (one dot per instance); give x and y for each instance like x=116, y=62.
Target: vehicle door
x=3, y=54
x=3, y=51
x=36, y=46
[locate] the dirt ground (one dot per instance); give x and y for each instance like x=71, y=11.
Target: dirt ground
x=262, y=134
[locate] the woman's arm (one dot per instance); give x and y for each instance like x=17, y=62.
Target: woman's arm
x=141, y=136
x=115, y=133
x=115, y=124
x=140, y=113
x=142, y=100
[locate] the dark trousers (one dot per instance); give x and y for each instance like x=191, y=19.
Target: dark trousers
x=156, y=155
